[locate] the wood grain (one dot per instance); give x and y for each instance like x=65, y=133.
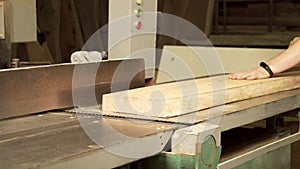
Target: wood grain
x=174, y=99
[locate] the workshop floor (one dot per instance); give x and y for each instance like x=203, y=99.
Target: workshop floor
x=296, y=155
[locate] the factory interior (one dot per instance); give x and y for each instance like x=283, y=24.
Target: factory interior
x=146, y=84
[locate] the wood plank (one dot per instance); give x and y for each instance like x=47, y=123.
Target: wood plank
x=249, y=106
x=175, y=99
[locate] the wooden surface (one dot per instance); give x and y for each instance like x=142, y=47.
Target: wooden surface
x=174, y=99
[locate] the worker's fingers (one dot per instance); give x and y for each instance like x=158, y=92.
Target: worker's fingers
x=294, y=41
x=234, y=76
x=251, y=77
x=252, y=74
x=242, y=75
x=239, y=76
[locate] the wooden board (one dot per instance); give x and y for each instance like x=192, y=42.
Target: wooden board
x=259, y=104
x=175, y=99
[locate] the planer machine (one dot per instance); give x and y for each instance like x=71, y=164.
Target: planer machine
x=52, y=116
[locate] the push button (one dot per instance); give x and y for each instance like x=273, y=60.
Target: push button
x=139, y=2
x=139, y=12
x=139, y=25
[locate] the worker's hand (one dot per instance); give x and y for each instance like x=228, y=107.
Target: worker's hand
x=251, y=74
x=294, y=41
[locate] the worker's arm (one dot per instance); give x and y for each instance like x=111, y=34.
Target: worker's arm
x=285, y=60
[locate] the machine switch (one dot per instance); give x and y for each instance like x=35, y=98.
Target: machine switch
x=139, y=2
x=139, y=25
x=139, y=12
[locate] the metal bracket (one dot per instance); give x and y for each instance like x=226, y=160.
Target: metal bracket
x=187, y=140
x=193, y=147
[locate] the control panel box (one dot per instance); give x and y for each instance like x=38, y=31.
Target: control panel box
x=132, y=31
x=23, y=12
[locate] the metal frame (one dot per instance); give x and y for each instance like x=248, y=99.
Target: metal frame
x=258, y=113
x=105, y=159
x=100, y=157
x=195, y=134
x=56, y=140
x=255, y=114
x=252, y=115
x=55, y=86
x=259, y=151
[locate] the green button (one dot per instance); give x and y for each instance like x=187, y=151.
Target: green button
x=139, y=12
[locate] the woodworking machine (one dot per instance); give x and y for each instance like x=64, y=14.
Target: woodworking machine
x=51, y=116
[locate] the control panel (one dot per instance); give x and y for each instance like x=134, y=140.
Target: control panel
x=23, y=12
x=132, y=31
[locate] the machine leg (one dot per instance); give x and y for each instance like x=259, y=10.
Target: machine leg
x=195, y=147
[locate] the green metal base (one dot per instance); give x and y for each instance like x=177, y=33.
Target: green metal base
x=278, y=159
x=173, y=161
x=208, y=158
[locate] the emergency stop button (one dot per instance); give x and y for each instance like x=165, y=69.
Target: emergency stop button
x=139, y=25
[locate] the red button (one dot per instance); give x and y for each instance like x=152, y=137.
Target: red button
x=139, y=25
